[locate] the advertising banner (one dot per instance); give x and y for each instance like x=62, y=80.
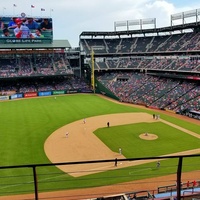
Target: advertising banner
x=30, y=94
x=57, y=92
x=86, y=91
x=16, y=96
x=193, y=114
x=4, y=98
x=71, y=91
x=48, y=93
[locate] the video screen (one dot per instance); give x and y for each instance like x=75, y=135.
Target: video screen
x=25, y=30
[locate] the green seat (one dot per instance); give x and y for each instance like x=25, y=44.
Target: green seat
x=47, y=34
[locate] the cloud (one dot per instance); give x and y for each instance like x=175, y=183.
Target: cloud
x=70, y=18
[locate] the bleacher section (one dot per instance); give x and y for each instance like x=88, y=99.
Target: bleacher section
x=157, y=92
x=165, y=55
x=180, y=64
x=34, y=66
x=69, y=83
x=134, y=58
x=168, y=43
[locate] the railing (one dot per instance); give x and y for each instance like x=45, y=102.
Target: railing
x=39, y=178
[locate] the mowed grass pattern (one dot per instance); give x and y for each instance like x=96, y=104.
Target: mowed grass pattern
x=27, y=123
x=170, y=140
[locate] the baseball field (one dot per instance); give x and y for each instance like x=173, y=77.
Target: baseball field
x=33, y=131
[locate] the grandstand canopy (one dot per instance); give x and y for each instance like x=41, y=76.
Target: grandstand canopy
x=62, y=44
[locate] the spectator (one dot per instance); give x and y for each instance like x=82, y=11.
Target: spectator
x=1, y=24
x=6, y=33
x=188, y=184
x=12, y=24
x=31, y=24
x=37, y=34
x=46, y=25
x=194, y=183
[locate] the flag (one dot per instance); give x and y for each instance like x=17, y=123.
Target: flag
x=14, y=5
x=42, y=9
x=32, y=6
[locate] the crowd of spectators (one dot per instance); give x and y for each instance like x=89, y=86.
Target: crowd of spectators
x=39, y=66
x=8, y=68
x=167, y=93
x=24, y=67
x=158, y=92
x=177, y=63
x=46, y=84
x=161, y=43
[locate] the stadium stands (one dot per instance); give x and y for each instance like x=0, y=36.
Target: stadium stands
x=181, y=64
x=169, y=43
x=173, y=58
x=40, y=66
x=158, y=71
x=45, y=84
x=163, y=93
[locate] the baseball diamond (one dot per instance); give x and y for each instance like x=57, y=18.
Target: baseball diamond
x=92, y=148
x=58, y=148
x=116, y=117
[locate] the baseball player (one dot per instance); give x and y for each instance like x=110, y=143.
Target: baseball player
x=67, y=134
x=120, y=150
x=21, y=31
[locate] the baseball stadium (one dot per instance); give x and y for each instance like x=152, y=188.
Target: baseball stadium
x=116, y=118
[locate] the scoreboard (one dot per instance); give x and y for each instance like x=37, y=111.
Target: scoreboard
x=25, y=30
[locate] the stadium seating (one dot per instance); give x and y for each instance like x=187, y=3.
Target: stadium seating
x=160, y=43
x=42, y=65
x=181, y=64
x=47, y=34
x=163, y=93
x=136, y=87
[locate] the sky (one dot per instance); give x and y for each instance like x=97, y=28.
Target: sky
x=72, y=17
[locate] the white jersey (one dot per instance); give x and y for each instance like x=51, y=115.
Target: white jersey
x=25, y=31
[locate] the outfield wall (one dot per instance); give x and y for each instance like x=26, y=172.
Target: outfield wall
x=42, y=94
x=99, y=89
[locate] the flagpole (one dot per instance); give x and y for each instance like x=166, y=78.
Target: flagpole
x=14, y=9
x=32, y=6
x=51, y=11
x=3, y=10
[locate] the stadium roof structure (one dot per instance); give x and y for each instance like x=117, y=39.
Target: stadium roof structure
x=181, y=27
x=56, y=44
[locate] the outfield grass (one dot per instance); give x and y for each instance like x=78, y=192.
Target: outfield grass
x=26, y=124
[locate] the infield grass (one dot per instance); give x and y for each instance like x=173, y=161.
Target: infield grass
x=27, y=123
x=170, y=140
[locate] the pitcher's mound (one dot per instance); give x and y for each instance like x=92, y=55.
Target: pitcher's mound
x=148, y=136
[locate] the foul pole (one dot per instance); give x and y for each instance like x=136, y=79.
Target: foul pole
x=92, y=71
